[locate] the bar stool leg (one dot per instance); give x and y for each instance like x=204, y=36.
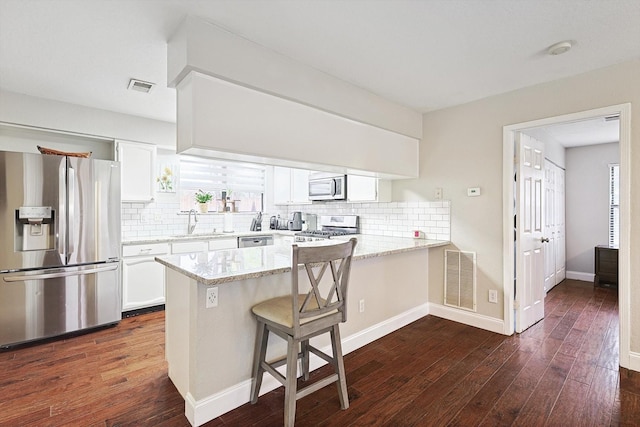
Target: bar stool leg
x=305, y=359
x=259, y=354
x=339, y=365
x=291, y=383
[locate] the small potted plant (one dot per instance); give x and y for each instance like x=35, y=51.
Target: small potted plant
x=203, y=198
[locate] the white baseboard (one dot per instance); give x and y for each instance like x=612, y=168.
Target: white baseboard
x=634, y=361
x=203, y=410
x=578, y=275
x=468, y=318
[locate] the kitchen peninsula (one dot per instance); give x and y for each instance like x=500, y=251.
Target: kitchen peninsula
x=209, y=350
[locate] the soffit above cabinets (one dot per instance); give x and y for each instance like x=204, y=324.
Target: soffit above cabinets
x=221, y=119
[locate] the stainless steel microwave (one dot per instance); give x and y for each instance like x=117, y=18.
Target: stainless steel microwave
x=327, y=187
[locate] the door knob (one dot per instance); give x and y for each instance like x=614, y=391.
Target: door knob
x=544, y=240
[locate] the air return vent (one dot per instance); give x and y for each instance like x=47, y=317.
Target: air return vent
x=460, y=279
x=140, y=86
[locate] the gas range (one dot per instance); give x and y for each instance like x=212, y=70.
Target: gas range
x=332, y=226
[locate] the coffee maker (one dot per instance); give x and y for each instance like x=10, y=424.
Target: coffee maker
x=295, y=221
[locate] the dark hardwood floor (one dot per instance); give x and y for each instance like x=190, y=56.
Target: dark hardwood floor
x=561, y=372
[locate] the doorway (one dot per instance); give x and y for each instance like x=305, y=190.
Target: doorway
x=509, y=133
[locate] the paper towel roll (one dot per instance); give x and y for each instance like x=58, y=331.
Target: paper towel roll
x=228, y=222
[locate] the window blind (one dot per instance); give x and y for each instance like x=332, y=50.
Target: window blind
x=218, y=175
x=614, y=205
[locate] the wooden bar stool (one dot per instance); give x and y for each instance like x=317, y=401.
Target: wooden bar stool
x=298, y=317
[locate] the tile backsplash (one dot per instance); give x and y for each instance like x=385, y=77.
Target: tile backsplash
x=159, y=219
x=398, y=219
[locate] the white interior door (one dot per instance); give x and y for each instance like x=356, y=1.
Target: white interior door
x=529, y=296
x=549, y=225
x=560, y=245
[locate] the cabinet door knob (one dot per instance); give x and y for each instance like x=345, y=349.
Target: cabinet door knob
x=544, y=240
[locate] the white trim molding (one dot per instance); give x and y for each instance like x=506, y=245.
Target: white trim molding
x=468, y=318
x=634, y=361
x=201, y=411
x=579, y=275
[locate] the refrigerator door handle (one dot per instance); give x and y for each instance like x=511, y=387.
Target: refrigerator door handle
x=22, y=278
x=62, y=211
x=72, y=206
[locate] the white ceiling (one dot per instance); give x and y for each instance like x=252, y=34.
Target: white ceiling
x=425, y=54
x=599, y=130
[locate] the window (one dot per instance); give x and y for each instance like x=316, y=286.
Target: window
x=242, y=182
x=614, y=205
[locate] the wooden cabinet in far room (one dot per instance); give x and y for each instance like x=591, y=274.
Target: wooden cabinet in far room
x=606, y=266
x=138, y=170
x=142, y=276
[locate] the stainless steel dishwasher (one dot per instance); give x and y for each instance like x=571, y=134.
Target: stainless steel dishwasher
x=253, y=241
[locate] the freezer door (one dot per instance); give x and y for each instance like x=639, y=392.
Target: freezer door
x=32, y=186
x=46, y=303
x=94, y=210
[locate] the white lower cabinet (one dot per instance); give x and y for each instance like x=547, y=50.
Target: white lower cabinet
x=203, y=245
x=189, y=247
x=142, y=276
x=228, y=243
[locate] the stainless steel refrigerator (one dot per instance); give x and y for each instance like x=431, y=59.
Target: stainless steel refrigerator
x=59, y=245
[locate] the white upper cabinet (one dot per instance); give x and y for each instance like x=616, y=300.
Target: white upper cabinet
x=300, y=186
x=367, y=189
x=138, y=171
x=290, y=186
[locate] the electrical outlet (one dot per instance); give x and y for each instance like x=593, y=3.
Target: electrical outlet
x=438, y=193
x=212, y=297
x=361, y=306
x=493, y=296
x=157, y=217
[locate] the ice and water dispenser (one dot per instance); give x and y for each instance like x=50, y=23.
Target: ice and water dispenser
x=34, y=228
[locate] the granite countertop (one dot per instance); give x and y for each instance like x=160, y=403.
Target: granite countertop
x=228, y=265
x=204, y=236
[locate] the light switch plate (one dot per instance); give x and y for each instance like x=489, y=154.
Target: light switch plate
x=493, y=296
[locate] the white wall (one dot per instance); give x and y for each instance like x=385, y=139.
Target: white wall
x=45, y=113
x=587, y=202
x=462, y=147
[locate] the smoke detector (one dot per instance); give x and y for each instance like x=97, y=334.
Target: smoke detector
x=140, y=85
x=559, y=48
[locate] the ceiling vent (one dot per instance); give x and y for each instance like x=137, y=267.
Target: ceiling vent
x=140, y=86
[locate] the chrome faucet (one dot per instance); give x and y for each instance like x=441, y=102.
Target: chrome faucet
x=190, y=227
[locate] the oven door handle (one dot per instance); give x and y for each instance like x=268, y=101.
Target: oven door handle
x=43, y=276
